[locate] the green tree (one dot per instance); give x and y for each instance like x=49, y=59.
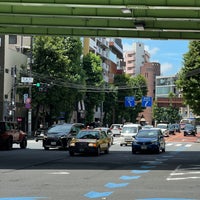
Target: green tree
x=57, y=64
x=94, y=95
x=108, y=104
x=188, y=80
x=166, y=114
x=128, y=86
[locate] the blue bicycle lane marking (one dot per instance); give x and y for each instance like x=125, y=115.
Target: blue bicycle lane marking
x=150, y=165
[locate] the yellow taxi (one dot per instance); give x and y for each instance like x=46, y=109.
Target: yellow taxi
x=90, y=141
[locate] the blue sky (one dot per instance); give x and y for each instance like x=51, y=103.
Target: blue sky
x=169, y=53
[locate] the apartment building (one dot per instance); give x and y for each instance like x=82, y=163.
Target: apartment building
x=110, y=51
x=12, y=57
x=135, y=59
x=166, y=85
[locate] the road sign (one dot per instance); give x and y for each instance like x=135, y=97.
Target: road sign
x=129, y=101
x=146, y=101
x=27, y=79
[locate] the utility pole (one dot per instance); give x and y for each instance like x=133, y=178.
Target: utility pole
x=30, y=89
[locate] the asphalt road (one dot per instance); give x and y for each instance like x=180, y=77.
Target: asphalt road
x=34, y=173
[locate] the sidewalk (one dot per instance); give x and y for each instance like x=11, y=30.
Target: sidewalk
x=179, y=137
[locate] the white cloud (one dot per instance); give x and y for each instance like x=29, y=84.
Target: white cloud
x=127, y=46
x=166, y=67
x=152, y=51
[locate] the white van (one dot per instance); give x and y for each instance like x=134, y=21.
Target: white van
x=128, y=132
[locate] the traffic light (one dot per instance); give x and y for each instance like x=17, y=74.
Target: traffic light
x=38, y=84
x=42, y=87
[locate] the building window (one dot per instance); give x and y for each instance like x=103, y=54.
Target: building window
x=130, y=55
x=12, y=39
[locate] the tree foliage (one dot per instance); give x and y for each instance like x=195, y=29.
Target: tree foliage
x=188, y=81
x=57, y=64
x=94, y=73
x=132, y=86
x=166, y=114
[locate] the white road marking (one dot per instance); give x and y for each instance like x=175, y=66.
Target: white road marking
x=184, y=173
x=169, y=144
x=178, y=145
x=59, y=173
x=184, y=178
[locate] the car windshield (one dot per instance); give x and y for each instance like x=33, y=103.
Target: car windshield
x=88, y=135
x=64, y=128
x=115, y=126
x=188, y=126
x=162, y=126
x=129, y=130
x=147, y=134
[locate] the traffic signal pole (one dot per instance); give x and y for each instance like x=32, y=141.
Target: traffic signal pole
x=30, y=91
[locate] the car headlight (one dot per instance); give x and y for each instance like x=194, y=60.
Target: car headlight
x=92, y=145
x=72, y=144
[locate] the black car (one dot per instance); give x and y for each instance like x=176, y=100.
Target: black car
x=149, y=140
x=60, y=135
x=190, y=130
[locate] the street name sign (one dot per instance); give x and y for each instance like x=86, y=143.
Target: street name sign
x=27, y=79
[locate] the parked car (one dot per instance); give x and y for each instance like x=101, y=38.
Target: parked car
x=11, y=134
x=108, y=132
x=90, y=141
x=190, y=130
x=116, y=129
x=128, y=133
x=149, y=140
x=172, y=129
x=60, y=135
x=164, y=129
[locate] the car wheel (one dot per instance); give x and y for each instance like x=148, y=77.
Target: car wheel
x=98, y=151
x=23, y=143
x=9, y=144
x=107, y=150
x=158, y=150
x=46, y=148
x=133, y=151
x=71, y=153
